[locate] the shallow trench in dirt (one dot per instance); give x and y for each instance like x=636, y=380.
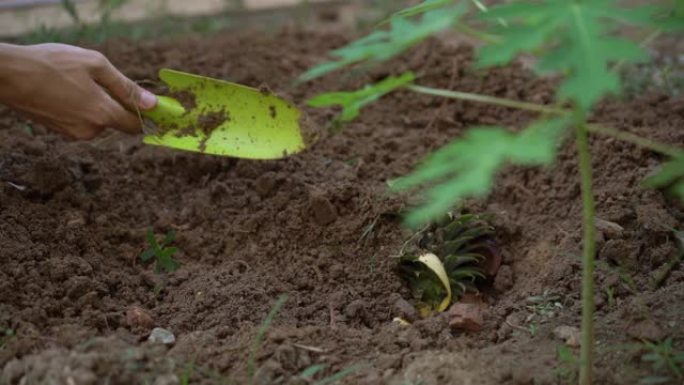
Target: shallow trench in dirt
x=73, y=218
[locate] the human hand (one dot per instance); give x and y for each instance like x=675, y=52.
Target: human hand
x=74, y=91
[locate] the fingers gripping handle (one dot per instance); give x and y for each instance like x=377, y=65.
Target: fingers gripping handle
x=167, y=112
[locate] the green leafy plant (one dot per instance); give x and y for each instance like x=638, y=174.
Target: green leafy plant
x=162, y=254
x=464, y=174
x=574, y=39
x=353, y=102
x=102, y=29
x=70, y=8
x=568, y=365
x=670, y=177
x=6, y=335
x=665, y=360
x=382, y=45
x=462, y=243
x=545, y=305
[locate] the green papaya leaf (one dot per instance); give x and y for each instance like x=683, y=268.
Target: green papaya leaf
x=382, y=45
x=670, y=177
x=467, y=166
x=352, y=102
x=574, y=38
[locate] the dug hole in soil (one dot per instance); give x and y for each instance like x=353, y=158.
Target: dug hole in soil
x=73, y=219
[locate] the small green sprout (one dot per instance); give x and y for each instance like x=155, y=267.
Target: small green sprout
x=162, y=254
x=545, y=305
x=462, y=242
x=5, y=335
x=670, y=177
x=663, y=358
x=568, y=365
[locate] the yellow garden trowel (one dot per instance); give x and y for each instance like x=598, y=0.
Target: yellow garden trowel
x=221, y=118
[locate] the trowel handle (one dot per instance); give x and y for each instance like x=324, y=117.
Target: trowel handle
x=167, y=111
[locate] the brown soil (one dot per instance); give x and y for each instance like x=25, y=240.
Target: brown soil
x=187, y=99
x=320, y=228
x=209, y=121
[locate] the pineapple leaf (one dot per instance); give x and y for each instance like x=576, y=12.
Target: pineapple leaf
x=466, y=273
x=453, y=261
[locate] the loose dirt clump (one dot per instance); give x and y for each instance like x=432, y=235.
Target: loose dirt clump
x=209, y=121
x=321, y=228
x=186, y=98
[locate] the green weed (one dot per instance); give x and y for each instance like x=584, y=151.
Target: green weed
x=70, y=8
x=29, y=129
x=187, y=373
x=545, y=305
x=665, y=360
x=162, y=254
x=192, y=370
x=574, y=39
x=6, y=335
x=568, y=365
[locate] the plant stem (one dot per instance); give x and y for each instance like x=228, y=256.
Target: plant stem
x=593, y=128
x=635, y=139
x=652, y=36
x=488, y=99
x=483, y=8
x=483, y=36
x=586, y=350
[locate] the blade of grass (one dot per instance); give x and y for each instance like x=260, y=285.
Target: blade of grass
x=311, y=370
x=251, y=362
x=339, y=375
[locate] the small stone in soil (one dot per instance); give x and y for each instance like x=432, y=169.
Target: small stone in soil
x=162, y=336
x=569, y=334
x=466, y=316
x=167, y=379
x=138, y=317
x=403, y=309
x=610, y=229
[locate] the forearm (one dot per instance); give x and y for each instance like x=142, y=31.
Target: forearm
x=12, y=65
